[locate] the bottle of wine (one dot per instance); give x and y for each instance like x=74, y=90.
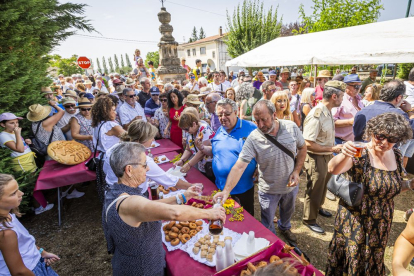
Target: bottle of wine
x=216, y=226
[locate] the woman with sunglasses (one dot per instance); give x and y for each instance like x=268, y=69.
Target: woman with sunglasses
x=345, y=113
x=361, y=232
x=80, y=124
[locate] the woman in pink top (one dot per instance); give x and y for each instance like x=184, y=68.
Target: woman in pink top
x=344, y=115
x=186, y=67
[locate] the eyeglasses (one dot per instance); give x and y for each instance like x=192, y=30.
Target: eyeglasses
x=70, y=106
x=163, y=100
x=145, y=165
x=131, y=96
x=272, y=90
x=85, y=109
x=224, y=114
x=356, y=86
x=390, y=139
x=210, y=102
x=186, y=129
x=155, y=95
x=318, y=79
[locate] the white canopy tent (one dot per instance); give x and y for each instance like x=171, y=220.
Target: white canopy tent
x=376, y=43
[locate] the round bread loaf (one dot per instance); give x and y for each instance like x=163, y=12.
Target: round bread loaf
x=68, y=152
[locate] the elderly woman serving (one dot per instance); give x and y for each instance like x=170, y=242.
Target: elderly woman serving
x=361, y=232
x=132, y=223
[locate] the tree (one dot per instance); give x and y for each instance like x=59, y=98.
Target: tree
x=105, y=68
x=66, y=66
x=122, y=61
x=202, y=34
x=29, y=30
x=193, y=36
x=111, y=65
x=98, y=64
x=291, y=28
x=128, y=61
x=334, y=14
x=116, y=63
x=154, y=57
x=250, y=26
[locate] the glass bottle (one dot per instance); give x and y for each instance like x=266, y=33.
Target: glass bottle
x=216, y=226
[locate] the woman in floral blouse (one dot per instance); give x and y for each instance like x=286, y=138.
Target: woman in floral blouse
x=361, y=232
x=161, y=116
x=194, y=129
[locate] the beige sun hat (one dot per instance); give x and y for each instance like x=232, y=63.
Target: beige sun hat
x=70, y=93
x=129, y=81
x=38, y=112
x=46, y=90
x=84, y=102
x=285, y=70
x=68, y=101
x=193, y=99
x=324, y=74
x=88, y=81
x=204, y=91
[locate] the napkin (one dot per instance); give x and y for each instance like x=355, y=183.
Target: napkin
x=240, y=250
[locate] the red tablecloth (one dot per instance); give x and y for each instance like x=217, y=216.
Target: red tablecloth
x=166, y=145
x=179, y=262
x=54, y=174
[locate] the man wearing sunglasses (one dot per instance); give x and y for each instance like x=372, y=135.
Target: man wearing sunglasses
x=152, y=104
x=391, y=99
x=131, y=110
x=70, y=111
x=268, y=89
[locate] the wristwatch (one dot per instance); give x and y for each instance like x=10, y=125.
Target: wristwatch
x=179, y=202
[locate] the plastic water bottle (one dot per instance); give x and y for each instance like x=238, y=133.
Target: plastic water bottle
x=229, y=253
x=220, y=260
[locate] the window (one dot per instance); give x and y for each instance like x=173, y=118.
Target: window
x=188, y=52
x=194, y=52
x=214, y=54
x=202, y=50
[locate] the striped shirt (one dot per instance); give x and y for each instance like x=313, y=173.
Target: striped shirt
x=275, y=166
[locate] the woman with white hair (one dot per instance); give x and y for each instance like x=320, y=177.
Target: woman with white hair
x=132, y=222
x=246, y=101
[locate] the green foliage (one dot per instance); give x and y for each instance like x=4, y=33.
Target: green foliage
x=404, y=70
x=251, y=26
x=128, y=61
x=122, y=61
x=111, y=65
x=66, y=66
x=154, y=57
x=194, y=36
x=334, y=14
x=125, y=70
x=116, y=63
x=202, y=34
x=105, y=68
x=98, y=64
x=29, y=30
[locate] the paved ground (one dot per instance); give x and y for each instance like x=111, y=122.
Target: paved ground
x=81, y=244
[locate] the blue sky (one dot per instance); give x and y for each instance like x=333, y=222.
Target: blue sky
x=137, y=20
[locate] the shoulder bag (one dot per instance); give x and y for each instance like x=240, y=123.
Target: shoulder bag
x=93, y=162
x=284, y=149
x=350, y=192
x=38, y=146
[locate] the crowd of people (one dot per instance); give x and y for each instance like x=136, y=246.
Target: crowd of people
x=237, y=131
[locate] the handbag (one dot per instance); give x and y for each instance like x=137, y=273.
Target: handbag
x=37, y=145
x=350, y=192
x=93, y=162
x=284, y=149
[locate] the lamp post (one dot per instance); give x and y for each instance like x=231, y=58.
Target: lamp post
x=408, y=8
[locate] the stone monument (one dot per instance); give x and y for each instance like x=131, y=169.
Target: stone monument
x=169, y=68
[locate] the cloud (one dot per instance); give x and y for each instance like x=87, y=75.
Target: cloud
x=107, y=16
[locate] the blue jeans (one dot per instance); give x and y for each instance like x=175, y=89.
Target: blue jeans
x=269, y=203
x=42, y=270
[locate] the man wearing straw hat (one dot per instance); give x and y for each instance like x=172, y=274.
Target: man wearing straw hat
x=284, y=75
x=323, y=77
x=70, y=111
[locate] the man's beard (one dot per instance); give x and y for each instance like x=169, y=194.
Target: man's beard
x=271, y=129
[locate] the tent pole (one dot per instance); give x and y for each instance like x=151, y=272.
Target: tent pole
x=316, y=73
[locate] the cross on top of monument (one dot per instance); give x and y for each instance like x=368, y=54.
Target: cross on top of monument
x=162, y=2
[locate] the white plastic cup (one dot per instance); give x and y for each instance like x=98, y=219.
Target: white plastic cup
x=220, y=260
x=229, y=253
x=250, y=246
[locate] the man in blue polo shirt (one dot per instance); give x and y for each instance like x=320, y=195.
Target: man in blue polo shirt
x=225, y=148
x=153, y=103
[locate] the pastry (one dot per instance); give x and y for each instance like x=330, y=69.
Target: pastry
x=211, y=250
x=170, y=225
x=152, y=145
x=208, y=243
x=185, y=230
x=203, y=253
x=167, y=238
x=193, y=225
x=179, y=226
x=173, y=235
x=196, y=250
x=197, y=244
x=207, y=237
x=251, y=267
x=68, y=152
x=185, y=223
x=261, y=264
x=213, y=245
x=245, y=273
x=274, y=258
x=199, y=222
x=185, y=238
x=201, y=241
x=210, y=257
x=165, y=228
x=216, y=240
x=200, y=136
x=221, y=243
x=228, y=238
x=175, y=229
x=199, y=228
x=192, y=233
x=204, y=247
x=163, y=159
x=175, y=242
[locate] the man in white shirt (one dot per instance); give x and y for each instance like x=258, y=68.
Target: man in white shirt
x=224, y=81
x=202, y=82
x=130, y=110
x=236, y=81
x=192, y=84
x=217, y=85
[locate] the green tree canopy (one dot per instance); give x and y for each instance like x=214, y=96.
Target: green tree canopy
x=105, y=68
x=334, y=14
x=122, y=61
x=117, y=67
x=128, y=61
x=154, y=57
x=202, y=34
x=251, y=26
x=29, y=30
x=194, y=36
x=111, y=65
x=66, y=66
x=98, y=64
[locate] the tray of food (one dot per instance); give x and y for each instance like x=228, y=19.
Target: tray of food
x=176, y=234
x=275, y=254
x=198, y=203
x=154, y=145
x=161, y=159
x=202, y=247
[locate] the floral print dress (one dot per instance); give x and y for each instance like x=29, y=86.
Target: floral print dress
x=208, y=133
x=361, y=233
